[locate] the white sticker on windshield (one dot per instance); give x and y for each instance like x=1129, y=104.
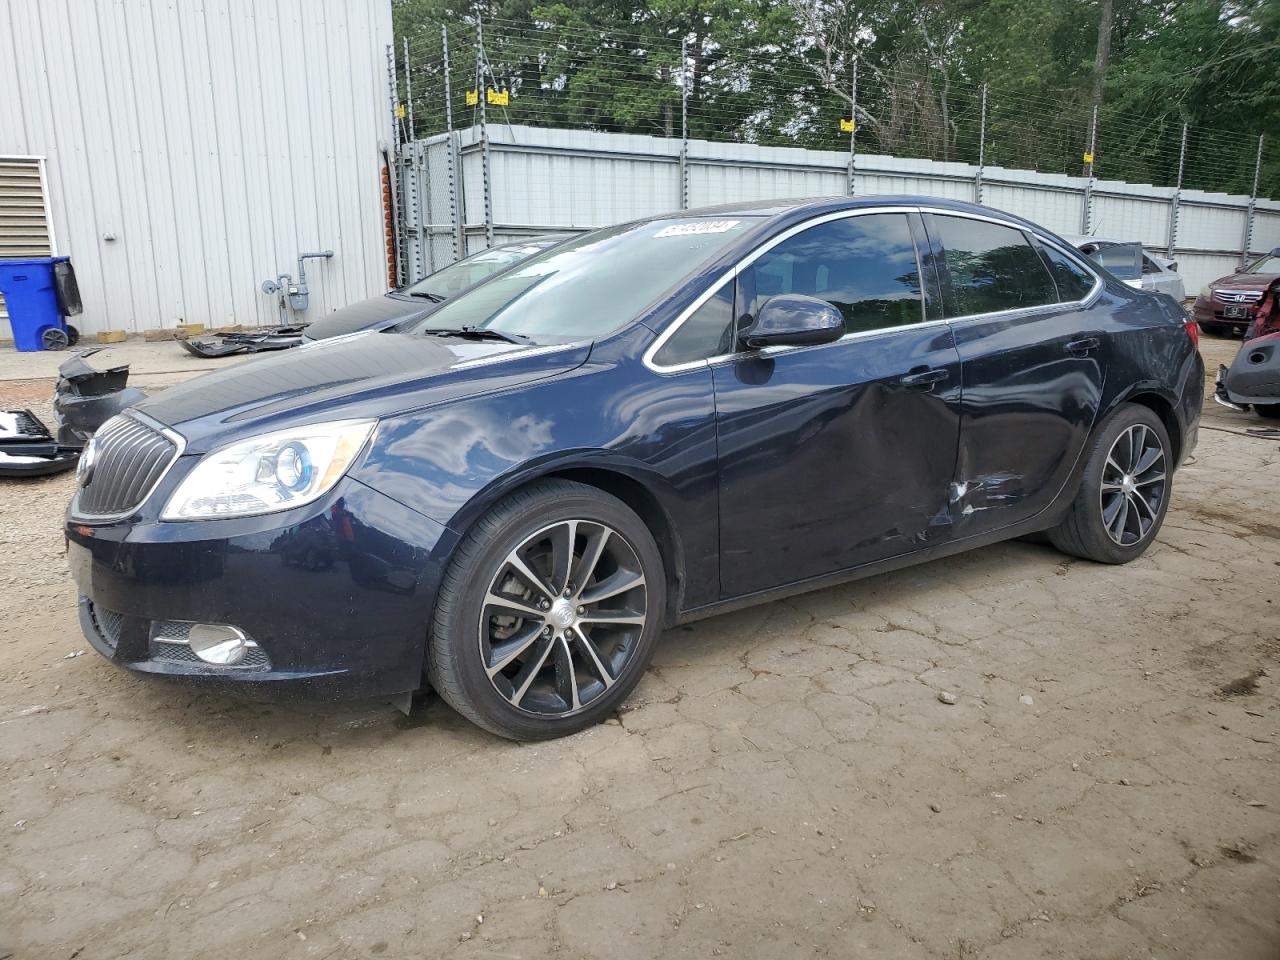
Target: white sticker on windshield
x=698, y=226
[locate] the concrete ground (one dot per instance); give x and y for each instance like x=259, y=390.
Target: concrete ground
x=784, y=783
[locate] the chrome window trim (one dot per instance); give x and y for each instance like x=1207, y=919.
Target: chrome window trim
x=180, y=446
x=733, y=272
x=1073, y=254
x=848, y=337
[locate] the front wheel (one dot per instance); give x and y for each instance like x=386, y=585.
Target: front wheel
x=1124, y=491
x=549, y=612
x=1269, y=410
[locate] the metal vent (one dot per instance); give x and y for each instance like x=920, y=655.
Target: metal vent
x=24, y=215
x=108, y=623
x=255, y=658
x=129, y=458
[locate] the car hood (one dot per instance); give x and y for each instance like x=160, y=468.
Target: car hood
x=371, y=314
x=363, y=375
x=1245, y=281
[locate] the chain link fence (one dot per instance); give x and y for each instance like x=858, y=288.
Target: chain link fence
x=496, y=78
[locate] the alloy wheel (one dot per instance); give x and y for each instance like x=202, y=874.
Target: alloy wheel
x=562, y=617
x=1134, y=483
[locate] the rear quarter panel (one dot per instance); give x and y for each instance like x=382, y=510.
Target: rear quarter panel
x=1150, y=352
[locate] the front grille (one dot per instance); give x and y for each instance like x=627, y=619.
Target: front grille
x=1237, y=296
x=129, y=460
x=181, y=653
x=108, y=623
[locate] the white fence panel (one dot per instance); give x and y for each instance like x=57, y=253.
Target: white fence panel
x=550, y=180
x=1266, y=228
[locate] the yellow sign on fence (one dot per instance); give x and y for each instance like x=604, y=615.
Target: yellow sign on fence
x=495, y=98
x=399, y=111
x=846, y=125
x=1088, y=158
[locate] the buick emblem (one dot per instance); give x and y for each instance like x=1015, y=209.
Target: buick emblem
x=84, y=468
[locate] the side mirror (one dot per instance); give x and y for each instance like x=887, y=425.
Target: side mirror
x=792, y=319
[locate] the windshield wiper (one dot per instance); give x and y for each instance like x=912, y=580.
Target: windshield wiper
x=477, y=333
x=433, y=297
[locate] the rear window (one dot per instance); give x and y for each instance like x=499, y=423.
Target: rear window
x=1074, y=281
x=992, y=267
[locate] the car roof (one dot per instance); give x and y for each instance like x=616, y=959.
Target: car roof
x=794, y=209
x=544, y=240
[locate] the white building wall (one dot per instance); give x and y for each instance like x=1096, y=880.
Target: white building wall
x=214, y=139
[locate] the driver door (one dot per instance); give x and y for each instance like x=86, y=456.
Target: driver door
x=842, y=454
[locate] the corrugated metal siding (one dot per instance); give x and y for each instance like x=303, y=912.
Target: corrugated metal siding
x=576, y=179
x=24, y=221
x=215, y=139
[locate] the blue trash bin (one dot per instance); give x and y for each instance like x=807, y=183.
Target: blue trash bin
x=31, y=297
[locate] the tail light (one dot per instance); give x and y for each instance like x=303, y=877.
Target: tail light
x=1193, y=331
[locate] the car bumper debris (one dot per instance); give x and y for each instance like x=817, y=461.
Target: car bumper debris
x=226, y=344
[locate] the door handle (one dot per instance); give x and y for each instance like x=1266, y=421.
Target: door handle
x=1083, y=345
x=925, y=378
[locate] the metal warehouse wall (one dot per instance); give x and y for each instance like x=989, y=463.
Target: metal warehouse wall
x=213, y=139
x=545, y=179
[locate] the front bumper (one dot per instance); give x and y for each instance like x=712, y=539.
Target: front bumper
x=337, y=595
x=1209, y=313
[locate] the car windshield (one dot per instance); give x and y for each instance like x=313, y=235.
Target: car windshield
x=1268, y=264
x=592, y=284
x=457, y=277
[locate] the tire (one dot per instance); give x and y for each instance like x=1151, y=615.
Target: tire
x=552, y=673
x=73, y=335
x=1108, y=534
x=1211, y=329
x=54, y=338
x=1270, y=411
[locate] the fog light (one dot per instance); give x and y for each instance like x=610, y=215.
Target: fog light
x=217, y=644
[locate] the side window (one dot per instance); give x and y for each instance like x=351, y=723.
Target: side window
x=864, y=266
x=707, y=333
x=992, y=267
x=1074, y=282
x=1149, y=265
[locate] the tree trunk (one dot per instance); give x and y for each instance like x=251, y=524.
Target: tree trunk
x=1103, y=56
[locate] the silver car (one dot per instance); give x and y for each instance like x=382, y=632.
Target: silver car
x=1137, y=267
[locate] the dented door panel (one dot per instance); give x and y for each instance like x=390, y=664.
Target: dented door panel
x=828, y=461
x=1032, y=386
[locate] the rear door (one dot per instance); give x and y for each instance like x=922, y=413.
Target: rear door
x=837, y=455
x=1032, y=366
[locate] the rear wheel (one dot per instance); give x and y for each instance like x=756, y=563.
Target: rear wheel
x=1212, y=329
x=549, y=612
x=1124, y=491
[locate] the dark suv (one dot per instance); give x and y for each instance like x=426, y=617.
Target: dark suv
x=647, y=424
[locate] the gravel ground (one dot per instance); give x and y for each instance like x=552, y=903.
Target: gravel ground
x=787, y=781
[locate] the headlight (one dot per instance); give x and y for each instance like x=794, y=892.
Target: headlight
x=1206, y=293
x=276, y=471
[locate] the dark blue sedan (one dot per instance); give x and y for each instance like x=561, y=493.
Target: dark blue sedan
x=648, y=424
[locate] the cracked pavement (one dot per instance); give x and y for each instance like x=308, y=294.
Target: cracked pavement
x=785, y=781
